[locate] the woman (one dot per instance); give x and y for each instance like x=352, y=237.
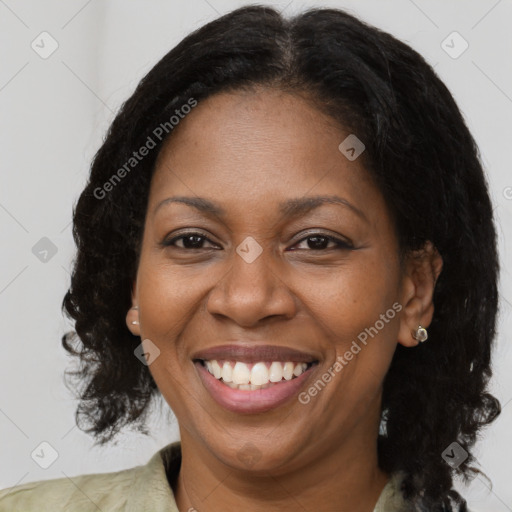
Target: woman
x=280, y=236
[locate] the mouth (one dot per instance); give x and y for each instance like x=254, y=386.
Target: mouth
x=254, y=376
x=253, y=379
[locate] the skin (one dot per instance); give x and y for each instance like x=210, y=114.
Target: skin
x=247, y=151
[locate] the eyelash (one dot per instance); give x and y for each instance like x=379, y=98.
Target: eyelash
x=341, y=244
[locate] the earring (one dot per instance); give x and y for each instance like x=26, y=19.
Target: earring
x=135, y=322
x=421, y=334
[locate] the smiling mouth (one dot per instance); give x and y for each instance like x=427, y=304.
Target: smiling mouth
x=254, y=376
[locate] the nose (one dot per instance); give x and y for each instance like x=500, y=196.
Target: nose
x=248, y=293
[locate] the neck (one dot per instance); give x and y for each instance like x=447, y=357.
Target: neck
x=346, y=474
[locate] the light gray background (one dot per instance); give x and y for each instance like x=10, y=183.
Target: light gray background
x=54, y=114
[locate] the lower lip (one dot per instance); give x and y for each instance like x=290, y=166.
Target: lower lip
x=255, y=401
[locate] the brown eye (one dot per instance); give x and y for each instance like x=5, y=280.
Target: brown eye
x=191, y=240
x=319, y=242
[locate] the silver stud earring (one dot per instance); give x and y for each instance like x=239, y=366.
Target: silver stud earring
x=135, y=307
x=421, y=334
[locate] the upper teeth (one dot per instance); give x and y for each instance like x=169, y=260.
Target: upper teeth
x=257, y=374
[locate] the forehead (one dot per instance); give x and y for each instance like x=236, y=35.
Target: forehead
x=258, y=146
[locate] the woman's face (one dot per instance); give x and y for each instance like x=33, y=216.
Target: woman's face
x=254, y=279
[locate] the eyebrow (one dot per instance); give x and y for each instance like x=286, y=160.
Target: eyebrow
x=289, y=208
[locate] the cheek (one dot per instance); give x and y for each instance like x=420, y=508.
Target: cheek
x=356, y=313
x=168, y=297
x=354, y=296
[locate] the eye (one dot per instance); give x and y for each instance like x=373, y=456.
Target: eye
x=191, y=240
x=320, y=241
x=194, y=240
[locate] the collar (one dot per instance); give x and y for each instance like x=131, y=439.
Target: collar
x=151, y=489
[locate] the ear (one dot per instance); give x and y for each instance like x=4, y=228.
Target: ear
x=422, y=268
x=132, y=316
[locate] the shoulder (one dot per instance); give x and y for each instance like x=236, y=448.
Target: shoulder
x=391, y=498
x=104, y=491
x=117, y=491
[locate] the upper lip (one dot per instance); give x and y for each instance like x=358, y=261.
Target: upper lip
x=252, y=353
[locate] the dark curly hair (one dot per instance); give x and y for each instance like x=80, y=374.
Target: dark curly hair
x=427, y=165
